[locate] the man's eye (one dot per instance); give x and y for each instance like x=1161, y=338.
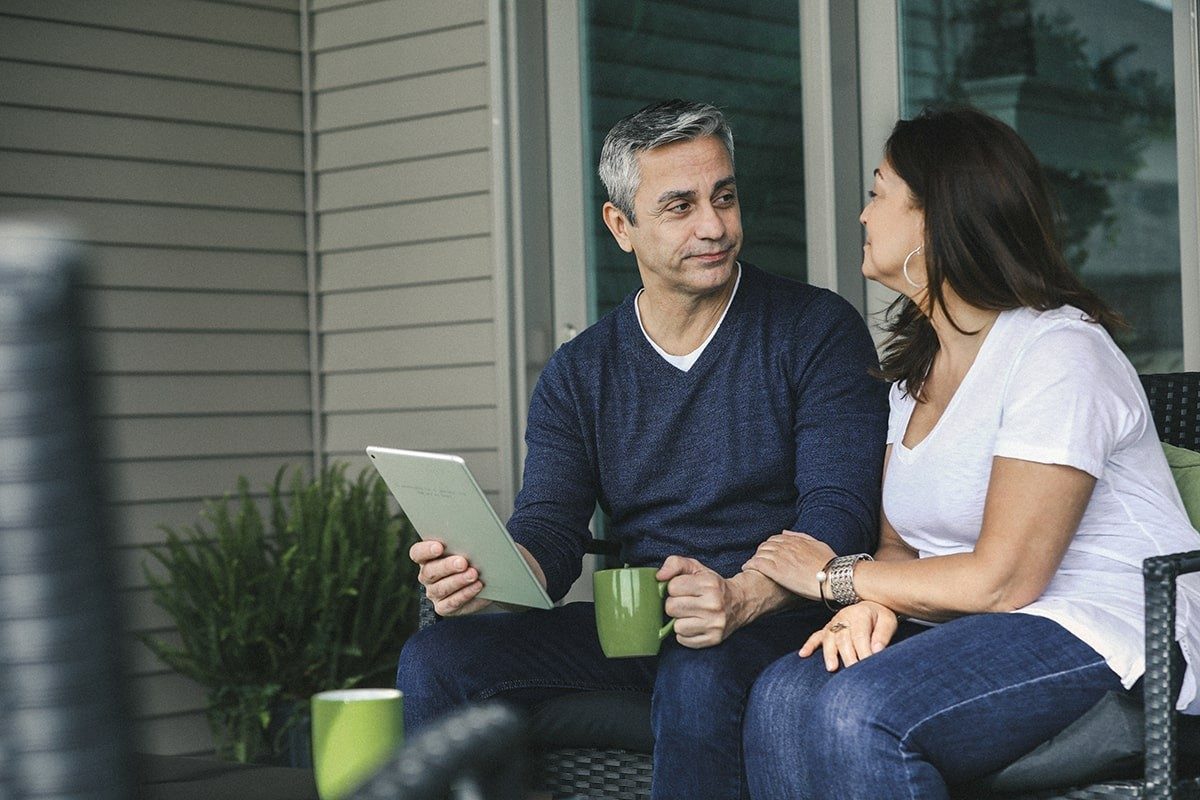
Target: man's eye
x=871, y=195
x=679, y=208
x=726, y=199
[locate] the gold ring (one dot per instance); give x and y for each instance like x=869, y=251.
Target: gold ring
x=838, y=626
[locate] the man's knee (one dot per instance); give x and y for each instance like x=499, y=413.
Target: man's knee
x=417, y=657
x=436, y=669
x=700, y=690
x=436, y=660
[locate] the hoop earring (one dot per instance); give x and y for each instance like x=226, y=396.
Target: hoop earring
x=904, y=269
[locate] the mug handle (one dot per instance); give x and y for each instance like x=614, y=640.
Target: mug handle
x=669, y=628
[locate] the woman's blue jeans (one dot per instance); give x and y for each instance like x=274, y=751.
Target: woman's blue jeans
x=698, y=700
x=942, y=706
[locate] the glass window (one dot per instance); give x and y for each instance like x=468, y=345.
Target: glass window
x=1089, y=84
x=743, y=58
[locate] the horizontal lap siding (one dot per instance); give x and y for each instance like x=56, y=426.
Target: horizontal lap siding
x=403, y=178
x=169, y=133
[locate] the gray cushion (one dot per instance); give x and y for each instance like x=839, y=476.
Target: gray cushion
x=599, y=720
x=1106, y=743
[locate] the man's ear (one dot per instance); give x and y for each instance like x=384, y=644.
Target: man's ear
x=618, y=224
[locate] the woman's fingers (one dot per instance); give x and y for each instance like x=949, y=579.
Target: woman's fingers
x=831, y=653
x=855, y=633
x=885, y=629
x=861, y=638
x=814, y=641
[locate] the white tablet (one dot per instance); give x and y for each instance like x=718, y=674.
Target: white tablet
x=442, y=500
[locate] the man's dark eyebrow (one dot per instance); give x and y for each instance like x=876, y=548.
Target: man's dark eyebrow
x=676, y=194
x=688, y=194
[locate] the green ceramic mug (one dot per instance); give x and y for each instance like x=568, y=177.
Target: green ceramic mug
x=629, y=611
x=354, y=731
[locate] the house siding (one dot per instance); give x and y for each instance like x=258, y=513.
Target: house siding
x=404, y=214
x=169, y=133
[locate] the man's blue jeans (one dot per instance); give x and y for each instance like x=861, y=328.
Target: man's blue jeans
x=942, y=706
x=698, y=698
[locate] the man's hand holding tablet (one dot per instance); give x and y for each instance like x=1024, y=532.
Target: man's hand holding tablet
x=451, y=583
x=467, y=558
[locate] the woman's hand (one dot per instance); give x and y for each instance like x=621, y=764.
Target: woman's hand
x=856, y=632
x=792, y=560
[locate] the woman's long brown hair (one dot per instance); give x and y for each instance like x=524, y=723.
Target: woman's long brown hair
x=989, y=232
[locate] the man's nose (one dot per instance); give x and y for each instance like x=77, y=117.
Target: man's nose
x=710, y=225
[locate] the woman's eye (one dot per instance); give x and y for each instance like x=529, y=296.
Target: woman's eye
x=871, y=195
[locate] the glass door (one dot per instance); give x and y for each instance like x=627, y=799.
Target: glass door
x=1090, y=86
x=743, y=58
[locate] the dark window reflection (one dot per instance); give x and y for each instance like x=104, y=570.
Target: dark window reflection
x=743, y=57
x=1089, y=84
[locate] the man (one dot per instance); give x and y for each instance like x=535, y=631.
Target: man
x=712, y=409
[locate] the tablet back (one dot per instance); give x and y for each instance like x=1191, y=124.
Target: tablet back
x=442, y=500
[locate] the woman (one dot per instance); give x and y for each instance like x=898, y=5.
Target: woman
x=1024, y=485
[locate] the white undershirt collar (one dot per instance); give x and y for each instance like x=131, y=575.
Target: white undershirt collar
x=685, y=362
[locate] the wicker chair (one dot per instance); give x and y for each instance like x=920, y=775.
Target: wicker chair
x=476, y=753
x=606, y=769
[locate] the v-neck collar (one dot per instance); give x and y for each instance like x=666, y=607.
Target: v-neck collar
x=703, y=346
x=641, y=348
x=964, y=385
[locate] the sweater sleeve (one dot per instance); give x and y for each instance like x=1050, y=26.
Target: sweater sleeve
x=840, y=428
x=558, y=491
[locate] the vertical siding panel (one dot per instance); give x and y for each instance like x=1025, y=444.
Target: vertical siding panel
x=169, y=132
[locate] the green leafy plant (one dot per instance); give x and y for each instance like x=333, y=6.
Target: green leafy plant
x=321, y=595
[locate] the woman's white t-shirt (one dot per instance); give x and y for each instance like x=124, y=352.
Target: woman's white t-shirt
x=1053, y=388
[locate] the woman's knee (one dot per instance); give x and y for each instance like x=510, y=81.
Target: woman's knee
x=851, y=715
x=780, y=701
x=776, y=731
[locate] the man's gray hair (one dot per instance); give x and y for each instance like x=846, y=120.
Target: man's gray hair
x=654, y=126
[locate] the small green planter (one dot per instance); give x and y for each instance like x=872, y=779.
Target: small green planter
x=269, y=612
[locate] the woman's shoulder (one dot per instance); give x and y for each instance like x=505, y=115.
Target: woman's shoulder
x=898, y=396
x=1065, y=335
x=1063, y=347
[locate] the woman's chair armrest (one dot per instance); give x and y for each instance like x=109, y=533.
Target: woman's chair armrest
x=1162, y=678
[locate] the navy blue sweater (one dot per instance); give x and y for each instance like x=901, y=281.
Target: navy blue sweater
x=777, y=426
